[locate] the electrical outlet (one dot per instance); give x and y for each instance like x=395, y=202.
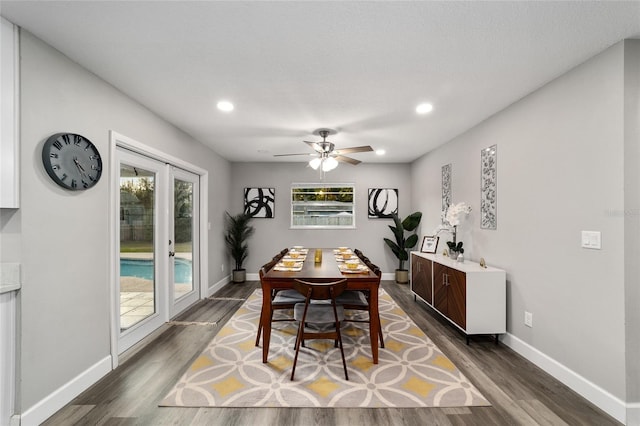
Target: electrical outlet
x=528, y=319
x=222, y=267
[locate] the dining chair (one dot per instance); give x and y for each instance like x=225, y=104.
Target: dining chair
x=282, y=299
x=280, y=255
x=316, y=310
x=358, y=300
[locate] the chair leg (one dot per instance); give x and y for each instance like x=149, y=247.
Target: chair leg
x=259, y=330
x=299, y=340
x=380, y=333
x=344, y=361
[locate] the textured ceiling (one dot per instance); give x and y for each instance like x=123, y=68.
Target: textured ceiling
x=358, y=67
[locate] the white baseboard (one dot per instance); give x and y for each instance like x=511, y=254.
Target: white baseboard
x=388, y=276
x=217, y=286
x=633, y=414
x=607, y=402
x=44, y=409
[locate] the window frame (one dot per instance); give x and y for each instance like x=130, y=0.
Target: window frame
x=295, y=186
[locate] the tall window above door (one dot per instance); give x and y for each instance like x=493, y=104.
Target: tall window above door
x=323, y=206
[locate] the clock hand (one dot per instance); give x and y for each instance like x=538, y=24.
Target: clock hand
x=79, y=166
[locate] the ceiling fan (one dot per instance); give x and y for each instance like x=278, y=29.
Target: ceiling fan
x=326, y=155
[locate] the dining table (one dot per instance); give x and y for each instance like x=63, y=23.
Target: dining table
x=328, y=269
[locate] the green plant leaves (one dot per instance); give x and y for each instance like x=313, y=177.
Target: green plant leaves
x=401, y=246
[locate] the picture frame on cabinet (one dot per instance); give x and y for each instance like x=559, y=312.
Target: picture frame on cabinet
x=429, y=244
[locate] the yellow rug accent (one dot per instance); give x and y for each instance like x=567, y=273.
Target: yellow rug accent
x=444, y=362
x=421, y=387
x=324, y=386
x=200, y=363
x=228, y=386
x=412, y=371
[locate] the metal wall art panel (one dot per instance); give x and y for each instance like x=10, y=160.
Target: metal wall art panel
x=488, y=188
x=446, y=188
x=260, y=202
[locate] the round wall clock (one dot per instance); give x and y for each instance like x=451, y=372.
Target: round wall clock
x=72, y=161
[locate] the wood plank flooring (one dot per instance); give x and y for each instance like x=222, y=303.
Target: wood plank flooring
x=520, y=393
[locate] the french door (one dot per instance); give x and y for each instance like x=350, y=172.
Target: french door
x=184, y=240
x=158, y=247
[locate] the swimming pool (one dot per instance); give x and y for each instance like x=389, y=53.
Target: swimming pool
x=143, y=268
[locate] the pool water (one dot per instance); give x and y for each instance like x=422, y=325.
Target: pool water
x=143, y=268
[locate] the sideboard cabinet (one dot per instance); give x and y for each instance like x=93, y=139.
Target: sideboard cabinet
x=471, y=297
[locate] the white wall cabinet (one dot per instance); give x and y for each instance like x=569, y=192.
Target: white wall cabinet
x=9, y=146
x=472, y=298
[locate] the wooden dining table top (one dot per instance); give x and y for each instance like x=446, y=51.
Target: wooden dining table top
x=326, y=270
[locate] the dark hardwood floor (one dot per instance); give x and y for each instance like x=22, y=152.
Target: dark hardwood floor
x=520, y=393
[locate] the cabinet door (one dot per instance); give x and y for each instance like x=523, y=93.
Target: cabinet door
x=421, y=278
x=440, y=288
x=457, y=297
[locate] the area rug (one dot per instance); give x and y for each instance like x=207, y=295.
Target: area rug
x=412, y=371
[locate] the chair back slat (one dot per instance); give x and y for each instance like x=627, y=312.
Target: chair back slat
x=320, y=291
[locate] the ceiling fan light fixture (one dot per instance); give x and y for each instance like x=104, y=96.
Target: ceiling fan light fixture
x=329, y=164
x=315, y=163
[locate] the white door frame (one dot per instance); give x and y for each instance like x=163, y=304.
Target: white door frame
x=136, y=332
x=177, y=306
x=119, y=140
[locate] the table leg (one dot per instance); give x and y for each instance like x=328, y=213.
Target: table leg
x=374, y=325
x=266, y=323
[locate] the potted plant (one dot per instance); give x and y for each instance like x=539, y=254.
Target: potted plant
x=453, y=217
x=403, y=243
x=236, y=235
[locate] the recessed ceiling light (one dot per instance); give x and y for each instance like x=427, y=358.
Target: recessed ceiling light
x=225, y=106
x=424, y=108
x=381, y=152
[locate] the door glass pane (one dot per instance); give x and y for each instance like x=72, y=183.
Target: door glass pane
x=137, y=232
x=183, y=234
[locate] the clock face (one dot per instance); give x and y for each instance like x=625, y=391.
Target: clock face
x=72, y=161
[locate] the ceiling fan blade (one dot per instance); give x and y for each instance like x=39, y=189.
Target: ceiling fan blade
x=286, y=155
x=314, y=145
x=349, y=160
x=351, y=150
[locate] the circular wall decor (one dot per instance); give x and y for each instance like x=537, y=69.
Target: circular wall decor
x=72, y=161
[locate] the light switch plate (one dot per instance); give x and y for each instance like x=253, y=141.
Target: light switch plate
x=591, y=240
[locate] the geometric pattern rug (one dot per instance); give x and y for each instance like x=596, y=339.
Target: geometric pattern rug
x=412, y=371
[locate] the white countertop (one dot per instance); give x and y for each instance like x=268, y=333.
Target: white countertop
x=9, y=277
x=466, y=266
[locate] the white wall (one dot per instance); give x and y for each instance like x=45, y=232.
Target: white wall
x=272, y=235
x=560, y=171
x=632, y=224
x=64, y=236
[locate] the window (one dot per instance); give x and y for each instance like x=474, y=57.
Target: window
x=323, y=206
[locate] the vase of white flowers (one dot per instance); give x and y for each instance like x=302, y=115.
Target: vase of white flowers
x=454, y=215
